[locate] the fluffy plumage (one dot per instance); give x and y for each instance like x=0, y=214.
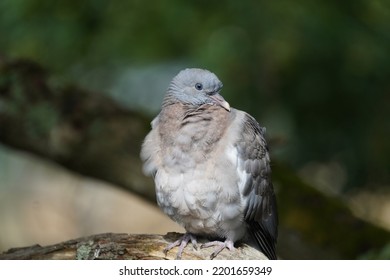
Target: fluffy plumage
x=211, y=167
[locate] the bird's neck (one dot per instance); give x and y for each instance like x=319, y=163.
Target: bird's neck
x=195, y=130
x=183, y=114
x=172, y=99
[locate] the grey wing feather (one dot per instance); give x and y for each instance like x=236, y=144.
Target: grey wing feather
x=260, y=212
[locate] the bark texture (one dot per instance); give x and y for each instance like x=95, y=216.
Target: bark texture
x=117, y=246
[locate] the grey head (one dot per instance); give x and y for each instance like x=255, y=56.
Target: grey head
x=196, y=87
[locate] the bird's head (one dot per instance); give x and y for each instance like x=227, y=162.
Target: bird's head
x=196, y=87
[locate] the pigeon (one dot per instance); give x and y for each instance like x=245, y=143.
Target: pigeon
x=211, y=168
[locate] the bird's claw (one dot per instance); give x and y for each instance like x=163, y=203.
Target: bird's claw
x=220, y=246
x=182, y=243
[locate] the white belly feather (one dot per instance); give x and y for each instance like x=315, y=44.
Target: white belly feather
x=200, y=202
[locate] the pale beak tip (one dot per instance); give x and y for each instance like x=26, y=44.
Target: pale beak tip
x=226, y=106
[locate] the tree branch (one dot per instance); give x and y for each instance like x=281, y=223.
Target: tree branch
x=117, y=246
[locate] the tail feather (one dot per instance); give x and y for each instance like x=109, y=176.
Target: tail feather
x=264, y=240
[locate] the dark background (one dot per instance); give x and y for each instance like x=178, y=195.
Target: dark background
x=314, y=73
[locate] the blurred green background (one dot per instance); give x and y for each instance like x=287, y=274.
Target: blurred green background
x=316, y=74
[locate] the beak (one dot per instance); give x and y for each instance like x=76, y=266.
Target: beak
x=218, y=99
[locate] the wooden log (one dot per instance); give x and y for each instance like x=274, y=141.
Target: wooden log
x=122, y=246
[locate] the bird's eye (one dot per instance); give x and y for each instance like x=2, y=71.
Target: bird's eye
x=198, y=86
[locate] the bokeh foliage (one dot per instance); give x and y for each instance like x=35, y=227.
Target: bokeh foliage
x=316, y=73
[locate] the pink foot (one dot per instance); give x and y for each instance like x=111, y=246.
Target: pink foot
x=182, y=243
x=221, y=245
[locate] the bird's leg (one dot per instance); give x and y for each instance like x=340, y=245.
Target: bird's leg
x=220, y=246
x=182, y=243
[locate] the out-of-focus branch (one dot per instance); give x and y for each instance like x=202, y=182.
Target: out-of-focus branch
x=83, y=131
